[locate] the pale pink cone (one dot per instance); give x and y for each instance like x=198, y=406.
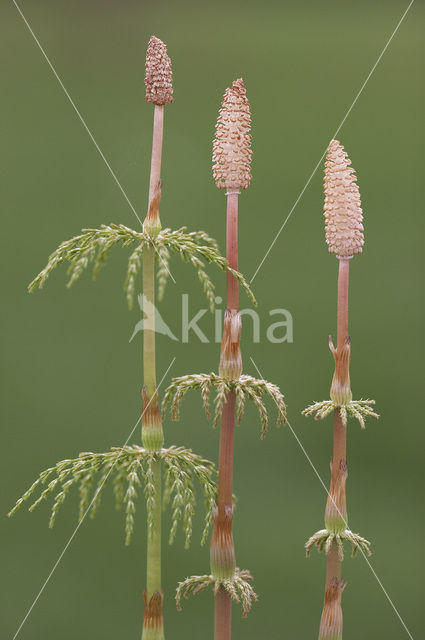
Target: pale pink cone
x=159, y=76
x=343, y=212
x=232, y=144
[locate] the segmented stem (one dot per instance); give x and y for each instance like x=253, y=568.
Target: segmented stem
x=222, y=547
x=152, y=433
x=336, y=513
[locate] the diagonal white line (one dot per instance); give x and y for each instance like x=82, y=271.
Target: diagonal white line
x=345, y=522
x=333, y=137
x=85, y=513
x=77, y=112
x=83, y=122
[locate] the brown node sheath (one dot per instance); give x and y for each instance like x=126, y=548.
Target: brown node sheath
x=152, y=619
x=152, y=219
x=158, y=73
x=230, y=354
x=336, y=505
x=151, y=415
x=152, y=433
x=341, y=389
x=331, y=621
x=222, y=551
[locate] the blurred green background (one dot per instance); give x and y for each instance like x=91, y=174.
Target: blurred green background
x=71, y=379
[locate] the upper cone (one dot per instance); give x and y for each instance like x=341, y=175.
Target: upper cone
x=159, y=76
x=232, y=144
x=342, y=209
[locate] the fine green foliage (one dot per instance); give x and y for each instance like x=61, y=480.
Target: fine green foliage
x=245, y=387
x=129, y=468
x=92, y=246
x=358, y=409
x=237, y=586
x=323, y=540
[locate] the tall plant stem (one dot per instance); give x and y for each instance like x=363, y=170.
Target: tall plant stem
x=343, y=277
x=158, y=131
x=222, y=548
x=152, y=433
x=149, y=360
x=336, y=510
x=154, y=540
x=222, y=615
x=232, y=249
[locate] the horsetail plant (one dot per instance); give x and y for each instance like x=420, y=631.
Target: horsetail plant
x=231, y=170
x=130, y=467
x=344, y=236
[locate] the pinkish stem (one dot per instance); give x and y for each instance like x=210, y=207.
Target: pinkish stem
x=232, y=249
x=158, y=130
x=343, y=275
x=152, y=432
x=337, y=496
x=222, y=548
x=222, y=615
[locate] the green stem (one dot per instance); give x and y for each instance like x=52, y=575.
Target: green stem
x=149, y=364
x=153, y=572
x=152, y=433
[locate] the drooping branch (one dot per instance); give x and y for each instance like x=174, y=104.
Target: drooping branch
x=245, y=387
x=92, y=246
x=129, y=471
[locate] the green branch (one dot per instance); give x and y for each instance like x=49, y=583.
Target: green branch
x=128, y=469
x=245, y=387
x=93, y=246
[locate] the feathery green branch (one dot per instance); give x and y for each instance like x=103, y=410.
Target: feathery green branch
x=129, y=468
x=358, y=409
x=92, y=246
x=237, y=586
x=244, y=386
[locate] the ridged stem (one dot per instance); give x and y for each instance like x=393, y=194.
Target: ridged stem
x=149, y=363
x=336, y=511
x=222, y=615
x=158, y=132
x=232, y=248
x=331, y=620
x=152, y=433
x=153, y=573
x=222, y=547
x=343, y=277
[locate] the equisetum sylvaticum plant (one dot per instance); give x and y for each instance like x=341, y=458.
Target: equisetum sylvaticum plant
x=344, y=236
x=129, y=468
x=231, y=169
